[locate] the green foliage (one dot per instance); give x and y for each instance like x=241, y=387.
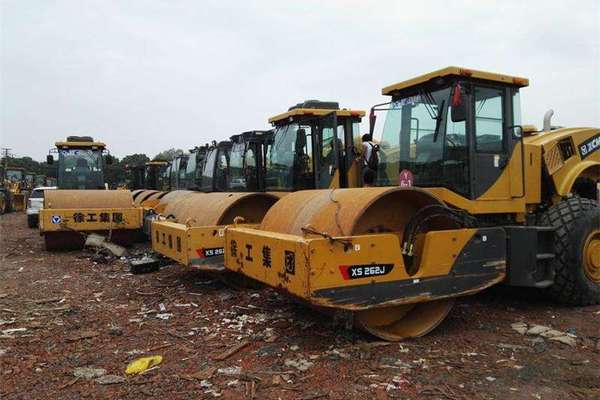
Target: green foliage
x=135, y=160
x=168, y=155
x=31, y=166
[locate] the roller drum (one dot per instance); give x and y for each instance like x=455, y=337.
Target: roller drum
x=206, y=209
x=347, y=212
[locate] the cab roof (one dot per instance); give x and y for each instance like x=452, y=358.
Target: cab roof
x=316, y=112
x=98, y=145
x=157, y=162
x=456, y=71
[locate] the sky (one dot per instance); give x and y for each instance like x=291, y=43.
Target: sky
x=145, y=76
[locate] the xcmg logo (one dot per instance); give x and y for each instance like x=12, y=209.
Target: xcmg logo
x=589, y=146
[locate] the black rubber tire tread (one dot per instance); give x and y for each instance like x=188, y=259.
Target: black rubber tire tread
x=32, y=221
x=571, y=218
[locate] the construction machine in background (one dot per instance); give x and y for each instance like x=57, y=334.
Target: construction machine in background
x=39, y=180
x=29, y=180
x=312, y=146
x=149, y=180
x=13, y=190
x=83, y=203
x=479, y=199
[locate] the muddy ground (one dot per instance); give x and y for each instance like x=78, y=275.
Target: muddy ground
x=62, y=311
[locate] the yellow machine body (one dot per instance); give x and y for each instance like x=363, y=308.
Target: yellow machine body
x=342, y=249
x=67, y=214
x=345, y=249
x=88, y=210
x=195, y=237
x=195, y=234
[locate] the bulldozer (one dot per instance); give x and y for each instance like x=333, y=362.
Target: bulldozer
x=312, y=146
x=466, y=198
x=83, y=202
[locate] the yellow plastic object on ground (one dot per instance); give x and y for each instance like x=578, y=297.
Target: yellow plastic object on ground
x=142, y=364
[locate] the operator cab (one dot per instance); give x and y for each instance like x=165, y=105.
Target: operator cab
x=216, y=166
x=80, y=163
x=177, y=172
x=193, y=168
x=15, y=175
x=311, y=142
x=454, y=128
x=247, y=161
x=153, y=173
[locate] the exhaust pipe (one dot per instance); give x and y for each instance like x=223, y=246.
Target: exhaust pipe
x=548, y=120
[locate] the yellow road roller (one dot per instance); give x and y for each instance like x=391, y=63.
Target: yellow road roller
x=82, y=202
x=478, y=199
x=312, y=146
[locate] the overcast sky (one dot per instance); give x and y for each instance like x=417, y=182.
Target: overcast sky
x=144, y=76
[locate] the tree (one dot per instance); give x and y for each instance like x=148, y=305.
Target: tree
x=134, y=160
x=168, y=155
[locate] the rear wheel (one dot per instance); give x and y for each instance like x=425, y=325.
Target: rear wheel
x=577, y=247
x=32, y=220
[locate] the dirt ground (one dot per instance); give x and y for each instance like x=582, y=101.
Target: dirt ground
x=63, y=311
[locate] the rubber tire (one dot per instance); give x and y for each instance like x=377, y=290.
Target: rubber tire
x=573, y=220
x=32, y=221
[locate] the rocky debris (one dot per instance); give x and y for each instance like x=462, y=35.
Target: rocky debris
x=100, y=242
x=88, y=372
x=546, y=332
x=300, y=364
x=110, y=379
x=286, y=351
x=82, y=334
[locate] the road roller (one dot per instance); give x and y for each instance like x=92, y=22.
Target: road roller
x=312, y=146
x=465, y=197
x=82, y=203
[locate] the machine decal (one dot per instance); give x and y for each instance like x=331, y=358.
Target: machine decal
x=211, y=252
x=249, y=253
x=290, y=262
x=56, y=219
x=365, y=271
x=79, y=217
x=406, y=178
x=266, y=257
x=589, y=146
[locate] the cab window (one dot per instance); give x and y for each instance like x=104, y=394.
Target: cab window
x=489, y=121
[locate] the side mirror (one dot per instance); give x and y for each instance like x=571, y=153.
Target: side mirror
x=49, y=159
x=458, y=104
x=372, y=120
x=109, y=159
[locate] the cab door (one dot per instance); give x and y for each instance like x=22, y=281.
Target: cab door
x=489, y=144
x=327, y=154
